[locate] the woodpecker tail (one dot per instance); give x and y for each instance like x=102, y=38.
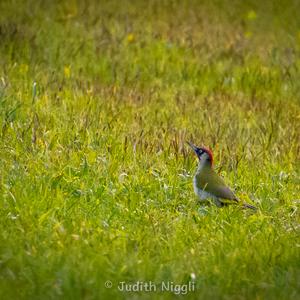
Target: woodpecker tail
x=246, y=205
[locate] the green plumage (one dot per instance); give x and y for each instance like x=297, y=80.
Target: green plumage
x=209, y=181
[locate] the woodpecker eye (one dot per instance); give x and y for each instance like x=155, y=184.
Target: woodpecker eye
x=200, y=152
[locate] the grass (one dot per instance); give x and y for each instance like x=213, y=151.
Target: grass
x=96, y=103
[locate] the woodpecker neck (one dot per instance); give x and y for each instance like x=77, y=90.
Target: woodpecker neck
x=203, y=164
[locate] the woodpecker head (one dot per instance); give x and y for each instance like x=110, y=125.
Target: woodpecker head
x=204, y=155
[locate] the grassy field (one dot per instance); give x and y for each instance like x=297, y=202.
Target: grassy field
x=97, y=101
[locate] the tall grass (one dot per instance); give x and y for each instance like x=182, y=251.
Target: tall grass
x=97, y=100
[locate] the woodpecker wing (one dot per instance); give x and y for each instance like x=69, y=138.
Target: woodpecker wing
x=209, y=181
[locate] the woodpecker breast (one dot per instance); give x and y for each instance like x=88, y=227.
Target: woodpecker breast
x=204, y=196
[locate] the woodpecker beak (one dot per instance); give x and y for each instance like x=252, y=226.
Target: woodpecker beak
x=195, y=148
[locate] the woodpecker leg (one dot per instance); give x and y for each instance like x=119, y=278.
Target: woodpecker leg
x=218, y=203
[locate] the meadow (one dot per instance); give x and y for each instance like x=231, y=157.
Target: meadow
x=97, y=101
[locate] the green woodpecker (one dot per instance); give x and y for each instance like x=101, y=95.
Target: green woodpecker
x=208, y=184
